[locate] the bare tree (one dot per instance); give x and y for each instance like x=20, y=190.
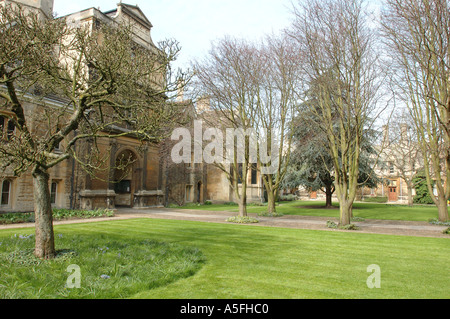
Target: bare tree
x=226, y=76
x=339, y=59
x=107, y=84
x=277, y=85
x=417, y=34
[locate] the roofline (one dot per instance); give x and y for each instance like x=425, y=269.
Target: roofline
x=142, y=21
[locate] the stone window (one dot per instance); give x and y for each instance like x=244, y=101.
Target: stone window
x=391, y=168
x=6, y=127
x=53, y=192
x=189, y=189
x=254, y=174
x=6, y=192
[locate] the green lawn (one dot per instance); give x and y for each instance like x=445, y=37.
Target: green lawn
x=316, y=208
x=243, y=261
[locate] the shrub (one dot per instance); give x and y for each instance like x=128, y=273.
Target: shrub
x=15, y=218
x=446, y=231
x=267, y=214
x=422, y=193
x=331, y=224
x=242, y=220
x=287, y=198
x=208, y=202
x=436, y=221
x=58, y=214
x=349, y=227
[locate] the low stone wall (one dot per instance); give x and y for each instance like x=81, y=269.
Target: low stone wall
x=94, y=199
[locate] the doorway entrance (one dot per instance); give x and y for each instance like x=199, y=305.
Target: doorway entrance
x=199, y=192
x=393, y=195
x=125, y=178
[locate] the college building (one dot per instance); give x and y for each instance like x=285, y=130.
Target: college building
x=150, y=179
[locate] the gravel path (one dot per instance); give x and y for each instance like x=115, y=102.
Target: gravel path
x=390, y=227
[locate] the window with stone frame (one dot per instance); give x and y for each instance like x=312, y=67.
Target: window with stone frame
x=53, y=192
x=5, y=192
x=7, y=128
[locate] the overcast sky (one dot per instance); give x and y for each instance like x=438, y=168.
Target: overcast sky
x=195, y=23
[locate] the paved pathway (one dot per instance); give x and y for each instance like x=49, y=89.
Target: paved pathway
x=422, y=229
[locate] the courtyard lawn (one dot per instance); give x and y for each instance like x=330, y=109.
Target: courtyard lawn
x=316, y=208
x=241, y=261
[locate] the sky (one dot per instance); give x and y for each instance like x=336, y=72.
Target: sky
x=195, y=23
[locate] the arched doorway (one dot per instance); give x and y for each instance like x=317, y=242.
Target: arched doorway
x=125, y=178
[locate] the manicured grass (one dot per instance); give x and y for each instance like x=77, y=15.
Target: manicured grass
x=316, y=208
x=263, y=262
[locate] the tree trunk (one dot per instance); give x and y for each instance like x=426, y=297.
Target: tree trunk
x=44, y=243
x=345, y=212
x=345, y=204
x=242, y=209
x=410, y=196
x=328, y=196
x=271, y=203
x=443, y=210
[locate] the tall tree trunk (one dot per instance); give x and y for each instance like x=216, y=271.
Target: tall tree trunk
x=271, y=202
x=242, y=208
x=410, y=195
x=241, y=198
x=328, y=196
x=345, y=204
x=345, y=212
x=442, y=209
x=44, y=243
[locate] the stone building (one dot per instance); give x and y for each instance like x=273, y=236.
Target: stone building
x=219, y=188
x=139, y=184
x=197, y=182
x=400, y=160
x=150, y=179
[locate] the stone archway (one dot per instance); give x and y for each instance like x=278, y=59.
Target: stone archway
x=126, y=177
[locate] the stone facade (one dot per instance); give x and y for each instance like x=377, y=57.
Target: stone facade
x=137, y=185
